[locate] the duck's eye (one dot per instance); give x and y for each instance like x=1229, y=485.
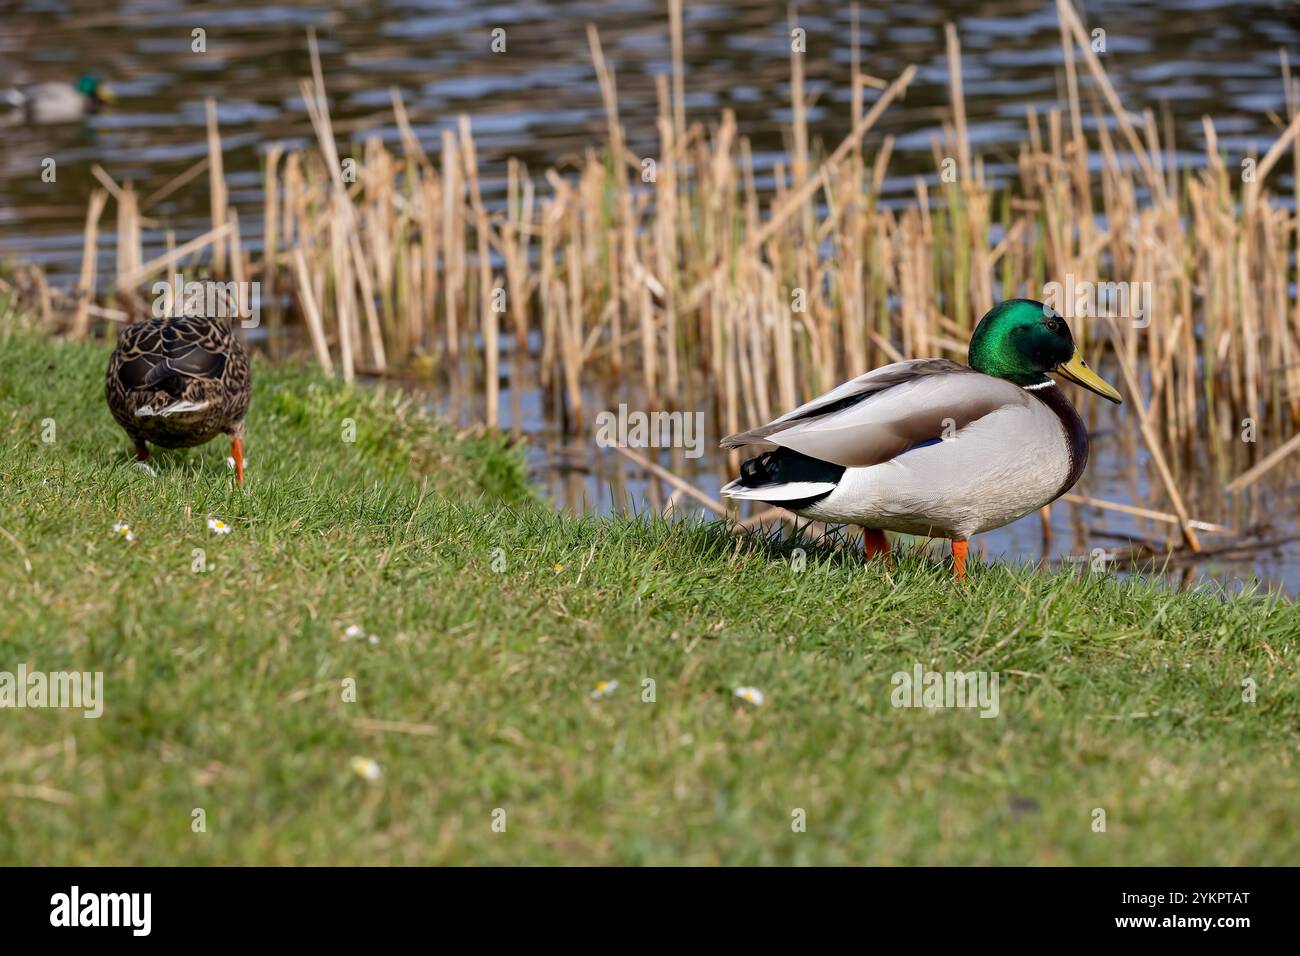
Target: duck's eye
x=1054, y=325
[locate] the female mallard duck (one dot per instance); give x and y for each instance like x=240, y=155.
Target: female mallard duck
x=932, y=447
x=179, y=382
x=59, y=102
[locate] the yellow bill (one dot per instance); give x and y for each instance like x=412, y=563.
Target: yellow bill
x=1077, y=371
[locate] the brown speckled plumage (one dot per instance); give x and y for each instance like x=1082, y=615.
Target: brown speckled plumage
x=179, y=382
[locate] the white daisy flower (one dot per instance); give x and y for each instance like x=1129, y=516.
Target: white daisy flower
x=750, y=694
x=355, y=632
x=123, y=530
x=367, y=769
x=604, y=689
x=217, y=526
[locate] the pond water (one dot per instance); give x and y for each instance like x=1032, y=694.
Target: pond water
x=539, y=101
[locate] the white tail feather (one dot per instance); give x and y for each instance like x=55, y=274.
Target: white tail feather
x=788, y=491
x=148, y=411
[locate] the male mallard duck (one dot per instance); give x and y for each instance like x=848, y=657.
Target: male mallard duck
x=59, y=102
x=932, y=447
x=179, y=382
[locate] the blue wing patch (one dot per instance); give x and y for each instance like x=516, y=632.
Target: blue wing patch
x=924, y=444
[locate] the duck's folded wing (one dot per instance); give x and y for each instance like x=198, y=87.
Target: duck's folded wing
x=150, y=352
x=886, y=412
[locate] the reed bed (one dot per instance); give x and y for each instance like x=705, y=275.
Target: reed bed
x=674, y=276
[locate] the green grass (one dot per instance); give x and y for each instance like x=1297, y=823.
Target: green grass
x=223, y=688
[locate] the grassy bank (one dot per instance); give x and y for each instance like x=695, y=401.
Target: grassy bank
x=224, y=689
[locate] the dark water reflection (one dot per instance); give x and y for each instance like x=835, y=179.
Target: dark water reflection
x=540, y=101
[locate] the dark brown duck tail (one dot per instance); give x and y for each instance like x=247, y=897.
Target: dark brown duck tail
x=163, y=380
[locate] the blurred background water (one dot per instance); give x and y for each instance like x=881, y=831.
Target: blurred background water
x=539, y=101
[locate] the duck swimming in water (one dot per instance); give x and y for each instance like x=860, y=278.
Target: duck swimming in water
x=43, y=103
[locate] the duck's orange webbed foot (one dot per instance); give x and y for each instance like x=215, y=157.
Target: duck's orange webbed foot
x=874, y=543
x=959, y=559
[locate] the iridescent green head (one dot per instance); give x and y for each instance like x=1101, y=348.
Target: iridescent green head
x=91, y=87
x=1022, y=341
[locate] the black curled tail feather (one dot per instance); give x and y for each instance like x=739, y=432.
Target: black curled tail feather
x=755, y=471
x=783, y=466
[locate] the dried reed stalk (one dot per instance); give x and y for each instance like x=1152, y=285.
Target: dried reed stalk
x=216, y=188
x=89, y=253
